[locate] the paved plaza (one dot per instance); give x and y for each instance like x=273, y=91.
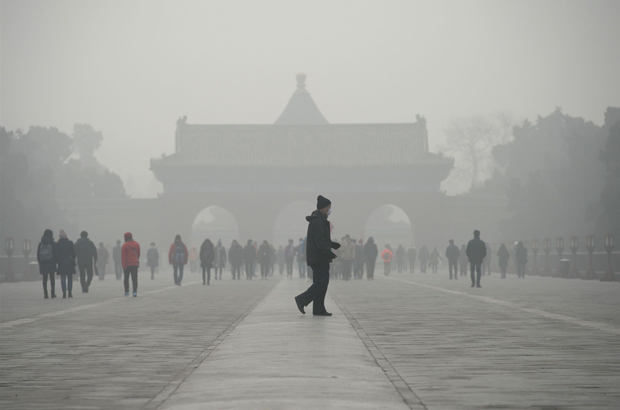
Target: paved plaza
x=404, y=341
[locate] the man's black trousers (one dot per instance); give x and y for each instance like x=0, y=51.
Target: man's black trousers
x=133, y=272
x=86, y=276
x=316, y=292
x=475, y=272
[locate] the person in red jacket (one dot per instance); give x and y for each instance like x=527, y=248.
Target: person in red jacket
x=387, y=256
x=130, y=257
x=177, y=257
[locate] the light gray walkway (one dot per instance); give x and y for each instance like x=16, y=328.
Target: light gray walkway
x=278, y=359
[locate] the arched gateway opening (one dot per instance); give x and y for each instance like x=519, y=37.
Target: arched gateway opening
x=389, y=224
x=215, y=223
x=291, y=223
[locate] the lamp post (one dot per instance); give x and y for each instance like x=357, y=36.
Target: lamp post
x=547, y=250
x=26, y=251
x=534, y=246
x=9, y=247
x=574, y=247
x=559, y=246
x=609, y=247
x=590, y=245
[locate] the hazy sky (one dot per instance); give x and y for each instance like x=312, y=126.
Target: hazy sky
x=131, y=68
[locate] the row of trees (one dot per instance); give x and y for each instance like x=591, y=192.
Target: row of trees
x=44, y=165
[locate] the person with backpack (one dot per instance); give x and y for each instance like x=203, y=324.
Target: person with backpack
x=370, y=256
x=207, y=255
x=219, y=263
x=249, y=257
x=116, y=258
x=65, y=258
x=86, y=254
x=102, y=260
x=177, y=257
x=387, y=256
x=452, y=254
x=46, y=256
x=502, y=259
x=152, y=259
x=130, y=256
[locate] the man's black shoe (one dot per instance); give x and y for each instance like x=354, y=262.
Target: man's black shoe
x=300, y=305
x=473, y=285
x=322, y=314
x=478, y=286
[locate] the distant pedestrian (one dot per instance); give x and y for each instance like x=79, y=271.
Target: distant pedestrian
x=65, y=258
x=289, y=258
x=280, y=259
x=207, y=255
x=300, y=253
x=411, y=256
x=219, y=263
x=400, y=258
x=424, y=256
x=272, y=259
x=177, y=257
x=358, y=264
x=476, y=252
x=235, y=257
x=249, y=258
x=130, y=256
x=46, y=256
x=116, y=258
x=86, y=254
x=387, y=256
x=102, y=260
x=502, y=258
x=193, y=260
x=521, y=257
x=370, y=256
x=347, y=256
x=264, y=259
x=452, y=254
x=152, y=259
x=486, y=264
x=463, y=260
x=318, y=256
x=434, y=260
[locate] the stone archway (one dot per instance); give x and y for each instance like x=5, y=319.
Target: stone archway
x=216, y=223
x=389, y=224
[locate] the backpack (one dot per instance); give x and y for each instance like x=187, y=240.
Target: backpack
x=46, y=253
x=179, y=254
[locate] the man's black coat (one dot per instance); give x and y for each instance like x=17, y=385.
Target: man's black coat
x=319, y=244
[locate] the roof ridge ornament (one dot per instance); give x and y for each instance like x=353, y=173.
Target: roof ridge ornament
x=301, y=83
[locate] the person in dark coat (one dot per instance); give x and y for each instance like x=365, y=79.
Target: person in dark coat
x=289, y=258
x=207, y=255
x=300, y=253
x=235, y=257
x=177, y=257
x=65, y=258
x=280, y=259
x=400, y=258
x=521, y=257
x=424, y=256
x=318, y=256
x=370, y=256
x=435, y=258
x=152, y=259
x=452, y=254
x=502, y=256
x=476, y=252
x=249, y=257
x=463, y=260
x=486, y=264
x=358, y=265
x=86, y=254
x=219, y=263
x=264, y=259
x=411, y=256
x=116, y=258
x=102, y=260
x=46, y=256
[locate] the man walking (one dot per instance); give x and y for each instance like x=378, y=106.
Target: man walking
x=86, y=254
x=102, y=260
x=452, y=254
x=318, y=256
x=300, y=252
x=476, y=251
x=289, y=258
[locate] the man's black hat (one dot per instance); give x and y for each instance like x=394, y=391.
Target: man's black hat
x=322, y=202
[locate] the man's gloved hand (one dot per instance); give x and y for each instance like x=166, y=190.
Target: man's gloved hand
x=333, y=255
x=335, y=245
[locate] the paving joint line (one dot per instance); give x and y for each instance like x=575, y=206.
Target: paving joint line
x=157, y=401
x=411, y=399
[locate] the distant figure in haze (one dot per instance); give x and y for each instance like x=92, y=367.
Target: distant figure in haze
x=130, y=256
x=193, y=259
x=435, y=258
x=370, y=257
x=264, y=259
x=102, y=260
x=452, y=254
x=387, y=256
x=358, y=264
x=219, y=263
x=46, y=256
x=502, y=256
x=152, y=259
x=400, y=258
x=65, y=258
x=289, y=258
x=207, y=255
x=486, y=265
x=116, y=258
x=272, y=259
x=347, y=256
x=280, y=259
x=521, y=257
x=235, y=257
x=249, y=257
x=318, y=256
x=463, y=260
x=424, y=256
x=300, y=252
x=177, y=257
x=86, y=254
x=476, y=252
x=411, y=256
